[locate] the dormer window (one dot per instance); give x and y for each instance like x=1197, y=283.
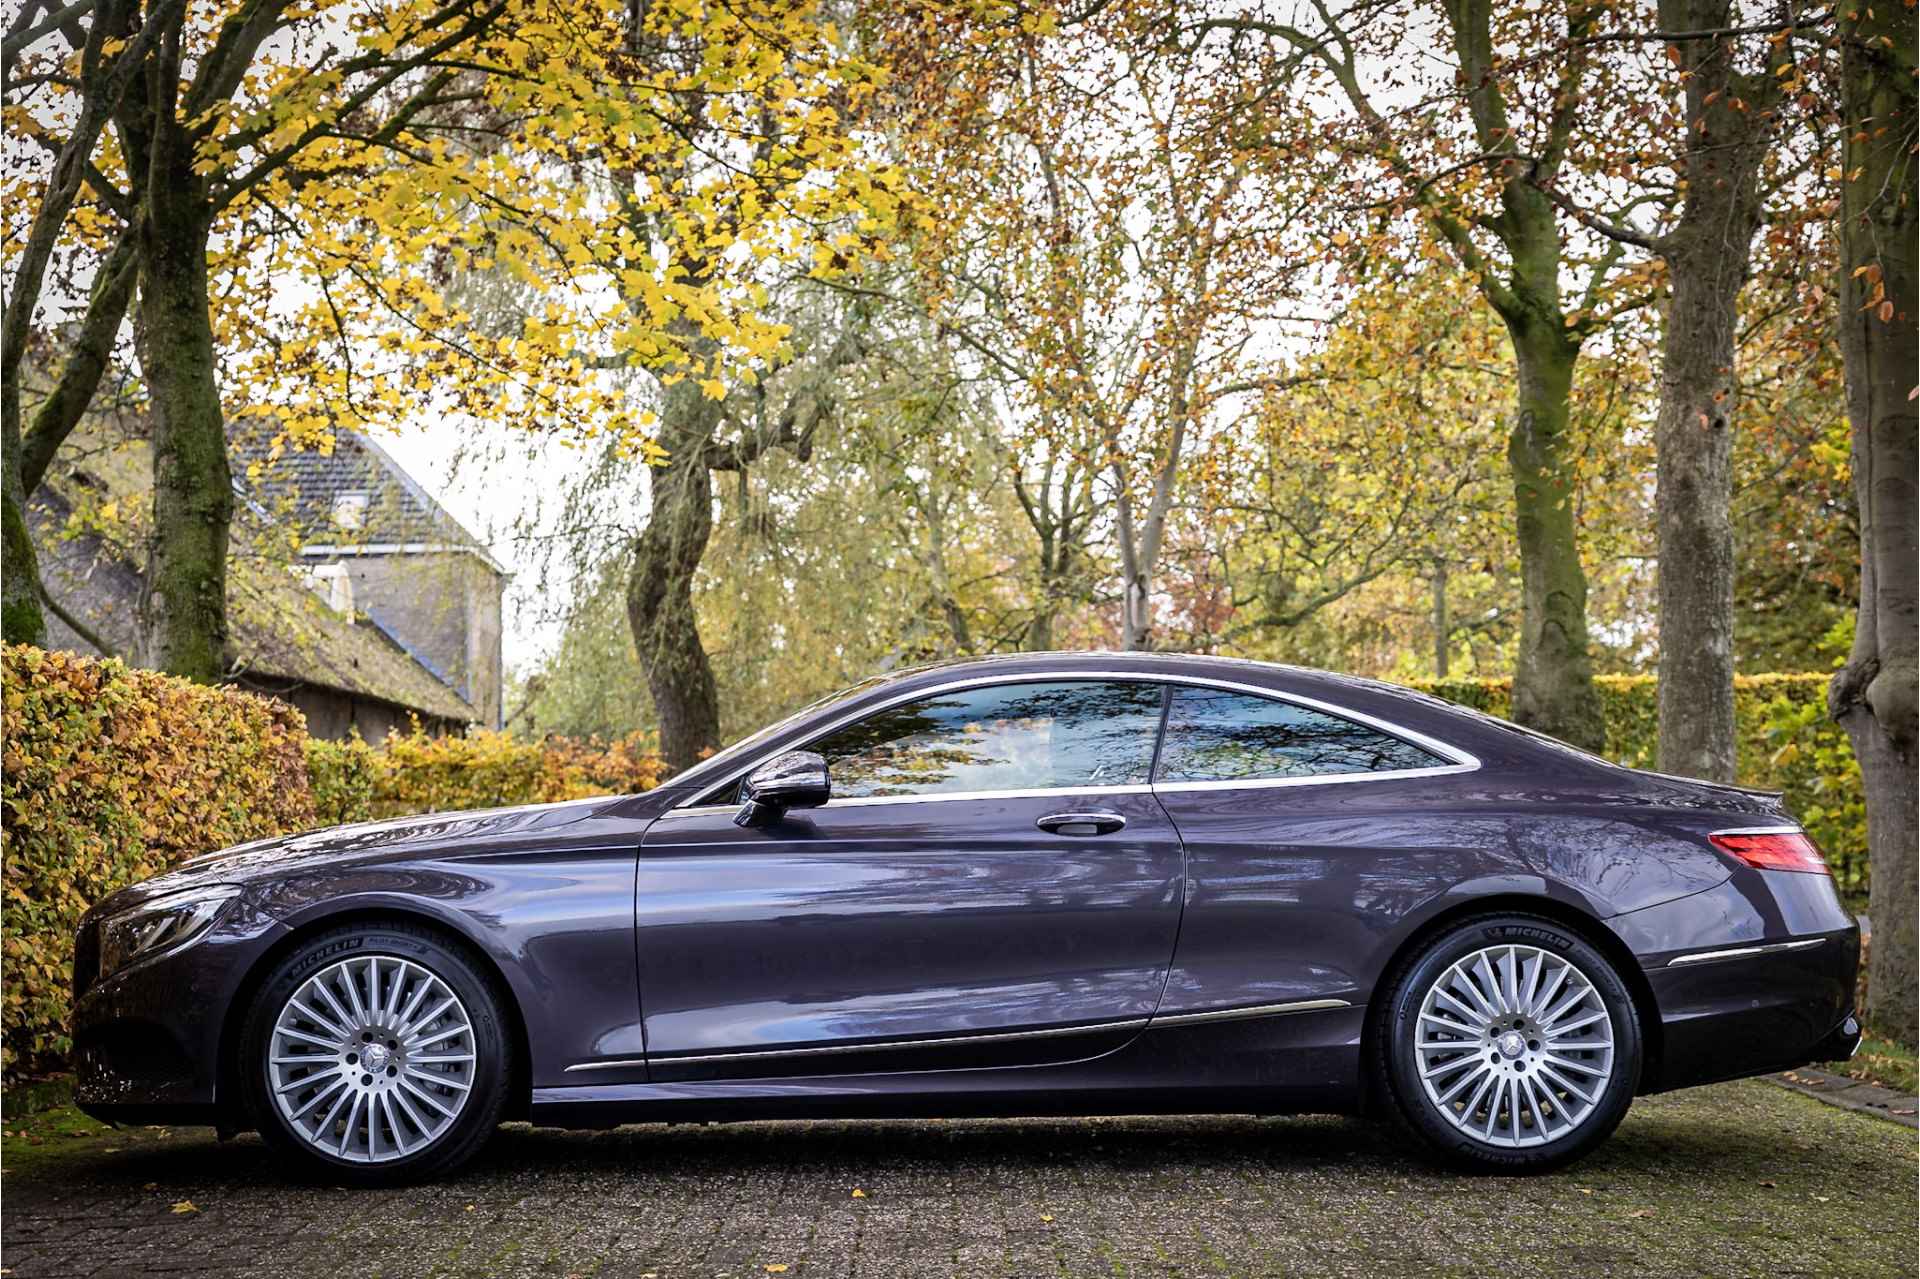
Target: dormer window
x=333, y=583
x=349, y=511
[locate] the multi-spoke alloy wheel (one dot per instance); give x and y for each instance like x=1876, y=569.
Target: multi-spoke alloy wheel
x=372, y=1059
x=1515, y=1045
x=379, y=1053
x=1508, y=1043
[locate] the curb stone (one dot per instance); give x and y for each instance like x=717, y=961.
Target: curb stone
x=1851, y=1094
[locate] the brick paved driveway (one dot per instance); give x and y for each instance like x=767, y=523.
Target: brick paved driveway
x=1743, y=1179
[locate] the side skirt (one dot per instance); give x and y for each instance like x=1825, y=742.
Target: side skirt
x=1275, y=1065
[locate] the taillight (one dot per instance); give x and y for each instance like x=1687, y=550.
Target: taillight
x=1772, y=849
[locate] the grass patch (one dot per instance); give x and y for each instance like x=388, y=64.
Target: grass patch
x=39, y=1122
x=41, y=1130
x=1886, y=1062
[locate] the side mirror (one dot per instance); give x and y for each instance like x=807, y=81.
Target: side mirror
x=795, y=779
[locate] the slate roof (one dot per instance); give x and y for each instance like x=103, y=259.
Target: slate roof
x=304, y=489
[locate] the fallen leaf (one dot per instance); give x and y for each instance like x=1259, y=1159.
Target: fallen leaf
x=113, y=1150
x=184, y=1206
x=469, y=1207
x=1046, y=1216
x=1770, y=1184
x=861, y=1194
x=777, y=1268
x=1642, y=1212
x=151, y=1185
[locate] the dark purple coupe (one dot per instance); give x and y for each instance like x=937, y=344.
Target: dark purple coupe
x=1038, y=885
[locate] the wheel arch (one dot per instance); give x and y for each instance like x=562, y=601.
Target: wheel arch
x=228, y=1095
x=1590, y=929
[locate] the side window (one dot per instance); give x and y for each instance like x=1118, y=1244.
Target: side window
x=1217, y=736
x=1003, y=737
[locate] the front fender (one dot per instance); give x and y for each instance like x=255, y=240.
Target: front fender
x=556, y=930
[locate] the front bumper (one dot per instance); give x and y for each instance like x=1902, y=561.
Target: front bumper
x=148, y=1040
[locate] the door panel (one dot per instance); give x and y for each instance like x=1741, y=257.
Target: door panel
x=1308, y=836
x=877, y=921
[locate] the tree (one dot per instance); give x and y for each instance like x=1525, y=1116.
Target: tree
x=199, y=125
x=702, y=434
x=1729, y=121
x=1874, y=695
x=1110, y=257
x=1366, y=467
x=1472, y=160
x=110, y=47
x=335, y=184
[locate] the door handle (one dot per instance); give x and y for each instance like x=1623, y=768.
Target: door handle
x=1081, y=823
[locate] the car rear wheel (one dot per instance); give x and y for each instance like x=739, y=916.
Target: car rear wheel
x=1509, y=1044
x=376, y=1054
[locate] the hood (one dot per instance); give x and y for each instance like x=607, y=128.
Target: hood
x=283, y=856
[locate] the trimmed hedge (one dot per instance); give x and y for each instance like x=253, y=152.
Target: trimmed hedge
x=1785, y=743
x=416, y=773
x=114, y=774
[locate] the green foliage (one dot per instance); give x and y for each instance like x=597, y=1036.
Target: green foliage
x=417, y=773
x=342, y=776
x=1786, y=743
x=112, y=775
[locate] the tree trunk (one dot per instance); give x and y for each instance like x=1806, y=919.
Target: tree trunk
x=666, y=556
x=1136, y=612
x=185, y=609
x=1875, y=695
x=1708, y=256
x=88, y=354
x=1553, y=687
x=22, y=621
x=1442, y=630
x=27, y=458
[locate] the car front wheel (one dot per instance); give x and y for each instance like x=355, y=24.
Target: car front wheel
x=376, y=1054
x=1509, y=1044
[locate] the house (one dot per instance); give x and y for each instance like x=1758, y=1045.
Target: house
x=377, y=545
x=365, y=629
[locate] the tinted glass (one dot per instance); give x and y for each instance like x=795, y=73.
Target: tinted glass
x=1217, y=736
x=1004, y=737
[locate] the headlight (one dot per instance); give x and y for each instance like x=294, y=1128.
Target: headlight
x=161, y=926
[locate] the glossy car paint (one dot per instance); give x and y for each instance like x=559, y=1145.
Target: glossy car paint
x=885, y=923
x=1079, y=973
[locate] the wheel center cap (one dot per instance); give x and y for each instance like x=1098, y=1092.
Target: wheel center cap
x=377, y=1057
x=1511, y=1045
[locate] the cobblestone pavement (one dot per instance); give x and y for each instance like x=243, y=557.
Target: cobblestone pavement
x=1743, y=1179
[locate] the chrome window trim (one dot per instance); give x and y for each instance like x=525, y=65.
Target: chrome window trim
x=1744, y=952
x=1463, y=762
x=992, y=1037
x=1760, y=830
x=1328, y=779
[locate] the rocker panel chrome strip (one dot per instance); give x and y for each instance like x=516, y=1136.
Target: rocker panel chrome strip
x=897, y=1045
x=888, y=1045
x=1743, y=952
x=1246, y=1014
